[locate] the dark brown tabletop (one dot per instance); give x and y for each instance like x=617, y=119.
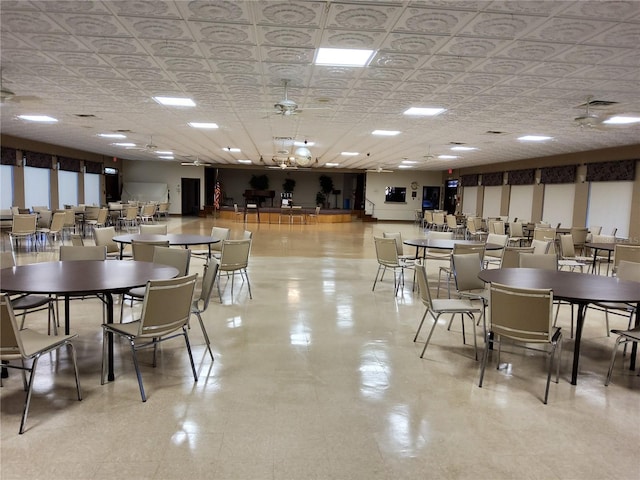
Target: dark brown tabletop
x=574, y=287
x=83, y=277
x=447, y=244
x=182, y=239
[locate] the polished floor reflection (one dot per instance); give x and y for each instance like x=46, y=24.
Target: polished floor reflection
x=317, y=377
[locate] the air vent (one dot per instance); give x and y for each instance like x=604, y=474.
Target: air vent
x=456, y=143
x=283, y=139
x=84, y=115
x=598, y=103
x=123, y=130
x=494, y=132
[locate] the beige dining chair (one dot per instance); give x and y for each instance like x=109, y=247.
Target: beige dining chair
x=387, y=257
x=27, y=345
x=24, y=228
x=466, y=267
x=148, y=212
x=458, y=249
x=568, y=258
x=432, y=253
x=622, y=252
x=201, y=301
x=545, y=261
x=165, y=315
x=313, y=216
x=88, y=252
x=516, y=234
x=511, y=256
x=55, y=230
x=436, y=307
x=235, y=259
x=104, y=237
x=522, y=316
x=153, y=229
x=494, y=257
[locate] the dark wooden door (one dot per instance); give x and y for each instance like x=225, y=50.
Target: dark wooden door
x=190, y=196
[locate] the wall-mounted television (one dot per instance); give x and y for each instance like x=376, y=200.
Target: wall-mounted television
x=395, y=195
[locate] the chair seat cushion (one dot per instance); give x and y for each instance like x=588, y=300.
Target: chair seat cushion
x=29, y=301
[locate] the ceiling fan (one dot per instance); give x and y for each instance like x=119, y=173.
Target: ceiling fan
x=588, y=119
x=379, y=170
x=149, y=147
x=196, y=163
x=7, y=96
x=286, y=106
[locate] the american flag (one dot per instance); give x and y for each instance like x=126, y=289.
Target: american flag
x=216, y=197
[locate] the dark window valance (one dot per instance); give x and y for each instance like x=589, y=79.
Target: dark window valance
x=8, y=156
x=38, y=160
x=522, y=177
x=562, y=174
x=469, y=180
x=93, y=167
x=69, y=164
x=611, y=171
x=492, y=179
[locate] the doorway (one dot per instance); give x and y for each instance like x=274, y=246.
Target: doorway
x=190, y=196
x=430, y=198
x=451, y=196
x=112, y=184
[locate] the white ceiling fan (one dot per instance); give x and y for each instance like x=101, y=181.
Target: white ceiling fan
x=149, y=147
x=588, y=119
x=196, y=163
x=286, y=106
x=379, y=170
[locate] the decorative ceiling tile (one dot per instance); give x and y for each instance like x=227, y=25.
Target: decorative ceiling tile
x=95, y=25
x=117, y=85
x=375, y=85
x=432, y=22
x=193, y=77
x=352, y=39
x=130, y=61
x=463, y=89
x=60, y=43
x=587, y=54
x=553, y=69
x=567, y=30
x=187, y=64
x=10, y=41
x=69, y=6
x=23, y=56
x=449, y=63
x=157, y=28
x=385, y=73
x=284, y=55
x=522, y=50
x=157, y=88
x=283, y=36
x=230, y=52
x=98, y=72
x=238, y=79
x=286, y=70
x=290, y=14
x=528, y=81
x=469, y=47
x=432, y=76
x=218, y=11
x=145, y=8
x=418, y=87
x=362, y=17
x=329, y=83
x=28, y=22
x=499, y=26
x=49, y=70
x=611, y=10
x=502, y=66
x=619, y=36
x=172, y=48
x=223, y=33
x=412, y=43
x=229, y=66
x=395, y=60
x=200, y=88
x=144, y=74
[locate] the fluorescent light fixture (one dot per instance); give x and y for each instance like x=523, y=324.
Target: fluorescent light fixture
x=460, y=148
x=409, y=162
x=244, y=160
x=534, y=138
x=348, y=57
x=164, y=152
x=405, y=166
x=112, y=135
x=331, y=164
x=303, y=144
x=387, y=133
x=621, y=120
x=425, y=111
x=230, y=149
x=166, y=157
x=125, y=144
x=349, y=154
x=175, y=101
x=448, y=157
x=205, y=125
x=38, y=118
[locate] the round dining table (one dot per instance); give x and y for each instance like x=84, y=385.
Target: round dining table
x=83, y=277
x=445, y=244
x=181, y=239
x=573, y=287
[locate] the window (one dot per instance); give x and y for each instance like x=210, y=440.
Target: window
x=395, y=194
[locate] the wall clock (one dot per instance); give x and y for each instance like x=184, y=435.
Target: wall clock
x=414, y=185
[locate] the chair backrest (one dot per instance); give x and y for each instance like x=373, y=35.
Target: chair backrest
x=471, y=226
x=247, y=235
x=540, y=233
x=10, y=342
x=540, y=246
x=516, y=230
x=603, y=239
x=153, y=229
x=398, y=237
x=497, y=227
x=143, y=251
x=524, y=314
x=58, y=221
x=132, y=213
x=595, y=229
x=163, y=207
x=451, y=221
x=567, y=248
x=318, y=210
x=82, y=253
x=103, y=213
x=440, y=235
x=629, y=271
x=235, y=208
x=545, y=261
x=221, y=233
x=579, y=235
x=511, y=256
x=477, y=222
x=423, y=284
x=70, y=217
x=91, y=213
x=149, y=209
x=7, y=260
x=208, y=281
x=497, y=239
x=386, y=251
x=428, y=216
x=629, y=253
x=235, y=254
x=77, y=240
x=174, y=257
x=466, y=267
x=438, y=218
x=463, y=248
x=44, y=218
x=24, y=224
x=104, y=237
x=166, y=306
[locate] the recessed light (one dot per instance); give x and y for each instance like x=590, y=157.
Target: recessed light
x=205, y=125
x=175, y=101
x=112, y=135
x=331, y=164
x=166, y=157
x=425, y=111
x=405, y=166
x=387, y=133
x=534, y=138
x=349, y=154
x=164, y=152
x=244, y=160
x=231, y=149
x=38, y=118
x=348, y=57
x=463, y=149
x=125, y=144
x=409, y=162
x=621, y=120
x=448, y=157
